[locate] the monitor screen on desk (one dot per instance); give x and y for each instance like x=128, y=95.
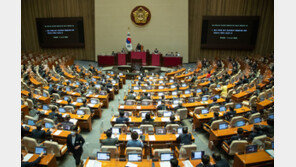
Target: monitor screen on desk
x=272, y=145
x=187, y=91
x=138, y=130
x=103, y=93
x=217, y=96
x=145, y=103
x=79, y=100
x=167, y=113
x=251, y=148
x=218, y=86
x=176, y=102
x=31, y=122
x=204, y=111
x=44, y=94
x=180, y=130
x=80, y=112
x=134, y=157
x=271, y=116
x=198, y=90
x=240, y=123
x=116, y=130
x=183, y=85
x=129, y=103
x=173, y=86
x=39, y=150
x=45, y=107
x=174, y=93
x=93, y=79
x=66, y=98
x=62, y=110
x=48, y=125
x=161, y=82
x=197, y=154
x=262, y=98
x=257, y=120
x=160, y=94
x=103, y=156
x=191, y=100
x=160, y=131
x=94, y=101
x=222, y=108
x=223, y=126
x=166, y=156
x=160, y=87
x=136, y=88
x=98, y=86
x=171, y=80
x=67, y=127
x=238, y=105
x=204, y=99
x=68, y=89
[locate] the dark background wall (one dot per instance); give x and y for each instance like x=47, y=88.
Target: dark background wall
x=32, y=9
x=262, y=8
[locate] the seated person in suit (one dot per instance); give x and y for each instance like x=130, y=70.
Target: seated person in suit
x=162, y=106
x=219, y=161
x=54, y=115
x=215, y=118
x=172, y=120
x=134, y=142
x=39, y=134
x=256, y=132
x=179, y=106
x=121, y=119
x=214, y=102
x=148, y=119
x=174, y=162
x=25, y=131
x=145, y=96
x=205, y=162
x=130, y=96
x=185, y=138
x=239, y=136
x=34, y=113
x=109, y=141
x=29, y=164
x=269, y=129
x=230, y=114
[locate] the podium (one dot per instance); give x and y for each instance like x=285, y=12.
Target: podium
x=136, y=56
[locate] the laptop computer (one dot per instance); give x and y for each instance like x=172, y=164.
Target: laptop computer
x=160, y=87
x=48, y=125
x=204, y=111
x=160, y=131
x=44, y=94
x=31, y=122
x=167, y=113
x=166, y=156
x=240, y=123
x=98, y=86
x=62, y=110
x=251, y=148
x=138, y=130
x=238, y=105
x=197, y=154
x=116, y=130
x=180, y=130
x=223, y=126
x=80, y=112
x=204, y=99
x=257, y=120
x=134, y=157
x=103, y=156
x=45, y=107
x=39, y=150
x=187, y=92
x=198, y=90
x=173, y=86
x=271, y=116
x=79, y=100
x=174, y=93
x=222, y=108
x=94, y=101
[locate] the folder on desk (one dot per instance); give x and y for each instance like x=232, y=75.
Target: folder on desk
x=121, y=107
x=165, y=119
x=187, y=163
x=59, y=101
x=165, y=164
x=129, y=164
x=138, y=107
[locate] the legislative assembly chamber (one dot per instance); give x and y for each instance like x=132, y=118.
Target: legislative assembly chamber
x=159, y=83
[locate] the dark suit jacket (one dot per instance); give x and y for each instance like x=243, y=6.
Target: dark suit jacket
x=79, y=140
x=39, y=134
x=130, y=97
x=161, y=107
x=28, y=164
x=202, y=165
x=109, y=142
x=222, y=163
x=184, y=139
x=121, y=120
x=236, y=137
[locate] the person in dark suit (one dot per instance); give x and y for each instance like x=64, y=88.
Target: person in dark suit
x=148, y=119
x=179, y=106
x=25, y=131
x=172, y=120
x=214, y=102
x=174, y=162
x=230, y=114
x=39, y=134
x=215, y=118
x=121, y=119
x=74, y=144
x=145, y=96
x=239, y=136
x=185, y=138
x=269, y=129
x=219, y=161
x=131, y=96
x=256, y=132
x=205, y=162
x=109, y=141
x=31, y=164
x=54, y=115
x=162, y=106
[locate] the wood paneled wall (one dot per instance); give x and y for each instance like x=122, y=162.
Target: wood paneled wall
x=199, y=8
x=32, y=9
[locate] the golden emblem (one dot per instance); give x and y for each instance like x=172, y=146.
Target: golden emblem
x=140, y=15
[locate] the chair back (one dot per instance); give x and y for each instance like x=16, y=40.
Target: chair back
x=123, y=127
x=156, y=152
x=253, y=116
x=111, y=149
x=214, y=108
x=237, y=146
x=86, y=110
x=30, y=103
x=235, y=119
x=259, y=141
x=133, y=150
x=215, y=124
x=56, y=96
x=197, y=110
x=185, y=151
x=182, y=112
x=172, y=128
x=69, y=109
x=48, y=120
x=146, y=128
x=29, y=143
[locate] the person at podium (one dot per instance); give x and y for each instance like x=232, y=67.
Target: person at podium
x=138, y=48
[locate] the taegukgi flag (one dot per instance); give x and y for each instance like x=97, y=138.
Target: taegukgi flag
x=128, y=43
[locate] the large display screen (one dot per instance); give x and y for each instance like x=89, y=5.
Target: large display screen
x=66, y=32
x=229, y=32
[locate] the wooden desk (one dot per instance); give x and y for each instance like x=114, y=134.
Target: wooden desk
x=48, y=160
x=191, y=106
x=175, y=72
x=199, y=119
x=218, y=90
x=265, y=103
x=103, y=98
x=35, y=82
x=260, y=158
x=218, y=135
x=136, y=107
x=42, y=99
x=144, y=163
x=25, y=109
x=137, y=121
x=243, y=95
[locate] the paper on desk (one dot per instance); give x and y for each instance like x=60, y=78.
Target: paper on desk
x=91, y=105
x=129, y=164
x=165, y=164
x=57, y=132
x=187, y=163
x=128, y=137
x=129, y=119
x=74, y=103
x=73, y=93
x=151, y=137
x=177, y=135
x=121, y=107
x=59, y=101
x=165, y=119
x=144, y=90
x=96, y=95
x=174, y=105
x=27, y=157
x=114, y=119
x=74, y=121
x=114, y=136
x=93, y=163
x=138, y=107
